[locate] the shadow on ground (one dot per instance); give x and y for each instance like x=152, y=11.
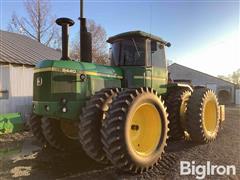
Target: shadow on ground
x=25, y=158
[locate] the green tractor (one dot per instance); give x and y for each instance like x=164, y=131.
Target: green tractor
x=121, y=114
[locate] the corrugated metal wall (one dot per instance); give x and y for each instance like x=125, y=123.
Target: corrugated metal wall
x=17, y=79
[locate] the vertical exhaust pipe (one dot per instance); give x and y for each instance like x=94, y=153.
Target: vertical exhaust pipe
x=65, y=23
x=85, y=38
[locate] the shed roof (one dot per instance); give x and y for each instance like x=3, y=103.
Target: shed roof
x=176, y=65
x=137, y=34
x=20, y=49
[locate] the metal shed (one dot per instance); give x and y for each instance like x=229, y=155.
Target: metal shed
x=225, y=90
x=18, y=56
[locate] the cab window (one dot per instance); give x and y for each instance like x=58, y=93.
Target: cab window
x=158, y=54
x=115, y=54
x=128, y=52
x=133, y=52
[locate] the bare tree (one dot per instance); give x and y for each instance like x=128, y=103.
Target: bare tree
x=39, y=24
x=234, y=77
x=99, y=44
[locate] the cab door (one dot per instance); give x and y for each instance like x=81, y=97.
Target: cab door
x=159, y=67
x=133, y=61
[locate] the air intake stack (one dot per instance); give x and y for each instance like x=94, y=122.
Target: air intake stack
x=85, y=38
x=65, y=23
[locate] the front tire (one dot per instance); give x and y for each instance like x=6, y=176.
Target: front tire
x=35, y=125
x=91, y=121
x=52, y=131
x=135, y=133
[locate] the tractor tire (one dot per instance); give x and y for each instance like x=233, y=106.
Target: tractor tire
x=35, y=126
x=203, y=116
x=91, y=121
x=135, y=132
x=176, y=107
x=55, y=136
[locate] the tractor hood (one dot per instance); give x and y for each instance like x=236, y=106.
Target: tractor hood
x=61, y=88
x=90, y=69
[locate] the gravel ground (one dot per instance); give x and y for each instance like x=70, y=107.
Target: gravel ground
x=22, y=158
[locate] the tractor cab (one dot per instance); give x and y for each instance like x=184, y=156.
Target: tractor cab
x=142, y=58
x=137, y=48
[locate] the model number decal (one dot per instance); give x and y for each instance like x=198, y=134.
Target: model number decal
x=69, y=70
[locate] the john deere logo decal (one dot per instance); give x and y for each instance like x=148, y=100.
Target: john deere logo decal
x=39, y=81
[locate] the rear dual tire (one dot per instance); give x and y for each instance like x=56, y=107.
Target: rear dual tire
x=203, y=116
x=177, y=101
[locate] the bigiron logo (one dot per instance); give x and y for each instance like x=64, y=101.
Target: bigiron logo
x=200, y=171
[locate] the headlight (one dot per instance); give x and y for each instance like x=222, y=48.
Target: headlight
x=82, y=77
x=47, y=108
x=34, y=107
x=64, y=109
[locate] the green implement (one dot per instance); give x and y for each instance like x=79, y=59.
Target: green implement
x=10, y=123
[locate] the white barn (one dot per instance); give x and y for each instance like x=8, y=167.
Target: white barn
x=18, y=56
x=225, y=90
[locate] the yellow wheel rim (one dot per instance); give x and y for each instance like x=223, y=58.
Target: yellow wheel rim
x=210, y=116
x=69, y=129
x=183, y=109
x=145, y=129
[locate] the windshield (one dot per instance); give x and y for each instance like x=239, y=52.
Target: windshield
x=130, y=52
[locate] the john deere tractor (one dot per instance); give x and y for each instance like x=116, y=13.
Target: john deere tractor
x=121, y=114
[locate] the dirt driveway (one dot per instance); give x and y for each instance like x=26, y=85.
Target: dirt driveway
x=21, y=157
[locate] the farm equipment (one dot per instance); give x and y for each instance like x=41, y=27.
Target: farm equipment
x=121, y=114
x=11, y=123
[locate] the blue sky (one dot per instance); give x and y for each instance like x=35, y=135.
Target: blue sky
x=205, y=35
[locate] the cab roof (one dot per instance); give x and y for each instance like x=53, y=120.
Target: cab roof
x=143, y=34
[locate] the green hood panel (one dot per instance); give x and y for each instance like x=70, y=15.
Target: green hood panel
x=75, y=66
x=55, y=80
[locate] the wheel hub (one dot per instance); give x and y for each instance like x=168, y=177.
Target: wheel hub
x=145, y=129
x=70, y=129
x=210, y=116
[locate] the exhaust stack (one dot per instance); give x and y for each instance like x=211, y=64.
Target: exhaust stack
x=65, y=23
x=85, y=38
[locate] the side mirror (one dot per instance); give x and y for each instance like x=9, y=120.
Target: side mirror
x=168, y=44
